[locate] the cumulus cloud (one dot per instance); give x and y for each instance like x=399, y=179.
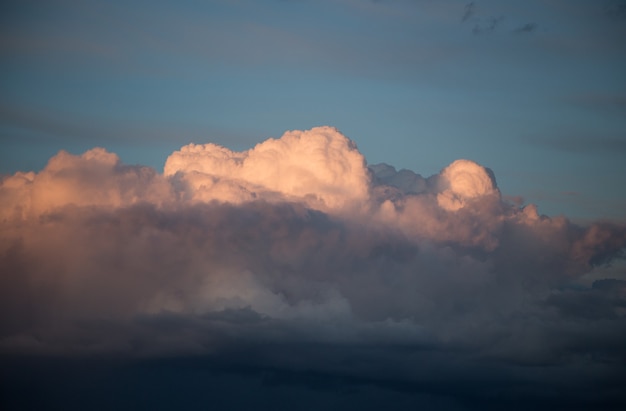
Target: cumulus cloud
x=526, y=28
x=464, y=180
x=320, y=166
x=298, y=243
x=406, y=181
x=95, y=178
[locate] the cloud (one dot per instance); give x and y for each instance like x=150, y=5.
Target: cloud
x=616, y=9
x=470, y=9
x=584, y=144
x=607, y=103
x=487, y=22
x=488, y=27
x=295, y=256
x=50, y=126
x=386, y=176
x=526, y=28
x=95, y=178
x=464, y=180
x=320, y=166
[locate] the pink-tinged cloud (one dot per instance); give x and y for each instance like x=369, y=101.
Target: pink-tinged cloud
x=297, y=241
x=462, y=181
x=320, y=167
x=95, y=178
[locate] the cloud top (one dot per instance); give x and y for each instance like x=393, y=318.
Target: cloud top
x=94, y=178
x=464, y=180
x=320, y=166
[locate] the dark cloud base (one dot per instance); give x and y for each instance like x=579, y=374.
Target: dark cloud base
x=216, y=383
x=564, y=351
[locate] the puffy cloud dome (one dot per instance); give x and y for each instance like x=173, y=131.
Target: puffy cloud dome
x=463, y=180
x=94, y=178
x=321, y=166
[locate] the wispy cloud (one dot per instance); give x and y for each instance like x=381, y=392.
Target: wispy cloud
x=606, y=102
x=526, y=28
x=577, y=143
x=616, y=9
x=469, y=11
x=489, y=26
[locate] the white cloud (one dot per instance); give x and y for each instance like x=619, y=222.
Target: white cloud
x=320, y=167
x=95, y=178
x=464, y=180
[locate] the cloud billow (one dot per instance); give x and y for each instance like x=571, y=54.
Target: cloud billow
x=298, y=243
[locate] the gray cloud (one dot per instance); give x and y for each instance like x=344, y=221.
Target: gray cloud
x=469, y=11
x=487, y=27
x=606, y=103
x=406, y=181
x=616, y=9
x=526, y=28
x=582, y=143
x=428, y=290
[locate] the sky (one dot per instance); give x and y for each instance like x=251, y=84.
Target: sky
x=334, y=204
x=534, y=91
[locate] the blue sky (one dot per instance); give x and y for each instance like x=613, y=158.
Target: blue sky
x=535, y=90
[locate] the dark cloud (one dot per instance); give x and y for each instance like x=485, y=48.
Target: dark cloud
x=582, y=144
x=220, y=277
x=616, y=9
x=526, y=28
x=488, y=22
x=603, y=301
x=488, y=26
x=52, y=125
x=469, y=11
x=47, y=125
x=405, y=180
x=607, y=103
